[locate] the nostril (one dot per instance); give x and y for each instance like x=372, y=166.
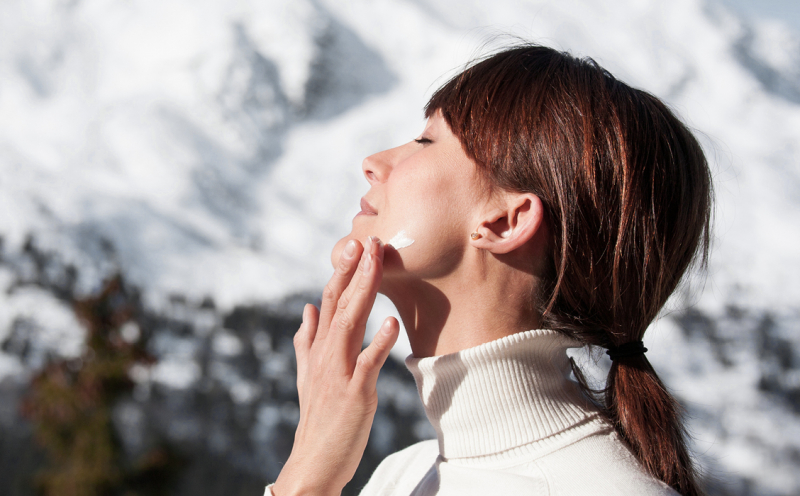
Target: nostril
x=370, y=170
x=376, y=167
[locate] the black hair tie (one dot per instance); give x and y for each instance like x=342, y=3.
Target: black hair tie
x=626, y=350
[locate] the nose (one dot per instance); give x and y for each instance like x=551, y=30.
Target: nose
x=378, y=166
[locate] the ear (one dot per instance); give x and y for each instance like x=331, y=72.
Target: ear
x=512, y=222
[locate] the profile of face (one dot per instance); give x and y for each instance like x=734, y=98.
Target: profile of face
x=427, y=188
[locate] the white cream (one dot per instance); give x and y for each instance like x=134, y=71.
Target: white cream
x=400, y=240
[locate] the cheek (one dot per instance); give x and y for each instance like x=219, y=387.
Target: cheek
x=432, y=208
x=436, y=231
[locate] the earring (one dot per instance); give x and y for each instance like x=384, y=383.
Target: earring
x=475, y=236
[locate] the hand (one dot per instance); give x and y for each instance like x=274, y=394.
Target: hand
x=335, y=378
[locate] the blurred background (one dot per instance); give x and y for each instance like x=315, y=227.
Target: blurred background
x=174, y=173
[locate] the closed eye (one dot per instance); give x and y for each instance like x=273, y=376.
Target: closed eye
x=423, y=141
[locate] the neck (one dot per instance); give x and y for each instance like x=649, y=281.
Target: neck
x=463, y=310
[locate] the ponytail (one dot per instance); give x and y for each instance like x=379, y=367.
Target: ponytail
x=649, y=419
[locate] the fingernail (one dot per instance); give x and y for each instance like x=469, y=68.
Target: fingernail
x=378, y=243
x=367, y=263
x=350, y=249
x=386, y=328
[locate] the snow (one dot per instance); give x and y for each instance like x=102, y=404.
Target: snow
x=182, y=133
x=213, y=149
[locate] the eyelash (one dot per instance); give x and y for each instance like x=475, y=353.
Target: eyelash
x=423, y=141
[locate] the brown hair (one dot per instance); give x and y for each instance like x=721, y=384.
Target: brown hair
x=627, y=192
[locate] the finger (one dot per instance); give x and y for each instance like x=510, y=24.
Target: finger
x=350, y=321
x=375, y=246
x=303, y=339
x=370, y=361
x=348, y=263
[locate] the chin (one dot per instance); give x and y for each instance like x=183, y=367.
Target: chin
x=392, y=262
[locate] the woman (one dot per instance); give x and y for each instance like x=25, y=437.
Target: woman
x=545, y=206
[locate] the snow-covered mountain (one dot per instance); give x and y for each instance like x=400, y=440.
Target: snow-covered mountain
x=211, y=150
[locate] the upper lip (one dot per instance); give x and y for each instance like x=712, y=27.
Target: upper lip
x=366, y=208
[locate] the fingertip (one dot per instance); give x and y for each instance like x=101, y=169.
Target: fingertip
x=381, y=250
x=349, y=249
x=309, y=313
x=367, y=264
x=389, y=332
x=390, y=325
x=377, y=245
x=351, y=253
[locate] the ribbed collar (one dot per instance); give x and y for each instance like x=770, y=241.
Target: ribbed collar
x=500, y=395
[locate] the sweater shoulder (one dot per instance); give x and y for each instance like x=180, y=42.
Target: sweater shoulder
x=403, y=471
x=599, y=465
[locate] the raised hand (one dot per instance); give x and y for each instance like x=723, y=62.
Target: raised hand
x=335, y=378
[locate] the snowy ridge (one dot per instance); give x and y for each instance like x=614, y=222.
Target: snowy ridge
x=212, y=150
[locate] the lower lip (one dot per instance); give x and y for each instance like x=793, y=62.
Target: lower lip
x=365, y=213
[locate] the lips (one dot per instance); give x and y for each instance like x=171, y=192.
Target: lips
x=366, y=208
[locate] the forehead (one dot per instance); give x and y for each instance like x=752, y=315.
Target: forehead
x=437, y=128
x=436, y=122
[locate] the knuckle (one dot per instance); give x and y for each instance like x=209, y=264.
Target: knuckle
x=345, y=321
x=343, y=267
x=343, y=301
x=364, y=284
x=365, y=362
x=328, y=294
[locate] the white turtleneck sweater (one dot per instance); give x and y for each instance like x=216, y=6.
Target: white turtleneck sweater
x=509, y=421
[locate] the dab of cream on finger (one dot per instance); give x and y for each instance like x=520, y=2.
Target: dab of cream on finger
x=400, y=240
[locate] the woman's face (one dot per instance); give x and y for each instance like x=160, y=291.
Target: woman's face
x=427, y=188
